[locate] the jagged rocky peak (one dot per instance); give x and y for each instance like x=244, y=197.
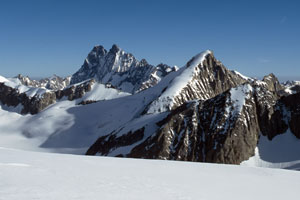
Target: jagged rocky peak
x=115, y=49
x=121, y=69
x=203, y=77
x=24, y=79
x=52, y=83
x=273, y=83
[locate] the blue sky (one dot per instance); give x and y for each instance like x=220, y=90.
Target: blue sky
x=41, y=38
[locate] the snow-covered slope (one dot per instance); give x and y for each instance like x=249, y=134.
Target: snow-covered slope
x=101, y=92
x=66, y=124
x=3, y=79
x=41, y=176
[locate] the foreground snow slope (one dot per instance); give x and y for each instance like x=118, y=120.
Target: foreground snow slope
x=32, y=175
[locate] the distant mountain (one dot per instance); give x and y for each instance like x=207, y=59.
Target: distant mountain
x=120, y=69
x=23, y=95
x=52, y=83
x=116, y=105
x=291, y=87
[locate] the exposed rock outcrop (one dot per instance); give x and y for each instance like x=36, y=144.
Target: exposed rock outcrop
x=34, y=104
x=291, y=111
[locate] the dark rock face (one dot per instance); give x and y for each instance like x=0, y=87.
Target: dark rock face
x=272, y=83
x=292, y=112
x=216, y=130
x=270, y=115
x=295, y=88
x=122, y=70
x=8, y=95
x=114, y=142
x=203, y=132
x=86, y=102
x=33, y=105
x=290, y=87
x=223, y=129
x=11, y=97
x=75, y=91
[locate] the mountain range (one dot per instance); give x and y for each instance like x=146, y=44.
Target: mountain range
x=116, y=105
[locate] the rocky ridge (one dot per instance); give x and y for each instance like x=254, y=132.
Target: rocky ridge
x=203, y=77
x=120, y=69
x=33, y=104
x=52, y=83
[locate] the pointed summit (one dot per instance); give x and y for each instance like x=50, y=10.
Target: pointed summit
x=114, y=49
x=203, y=77
x=118, y=68
x=198, y=59
x=99, y=50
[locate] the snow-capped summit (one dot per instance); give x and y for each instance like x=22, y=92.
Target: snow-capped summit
x=203, y=77
x=120, y=69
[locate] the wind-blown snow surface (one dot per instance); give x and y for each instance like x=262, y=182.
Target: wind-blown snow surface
x=42, y=176
x=100, y=92
x=66, y=127
x=3, y=79
x=70, y=128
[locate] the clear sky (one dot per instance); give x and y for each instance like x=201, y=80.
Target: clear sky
x=41, y=38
